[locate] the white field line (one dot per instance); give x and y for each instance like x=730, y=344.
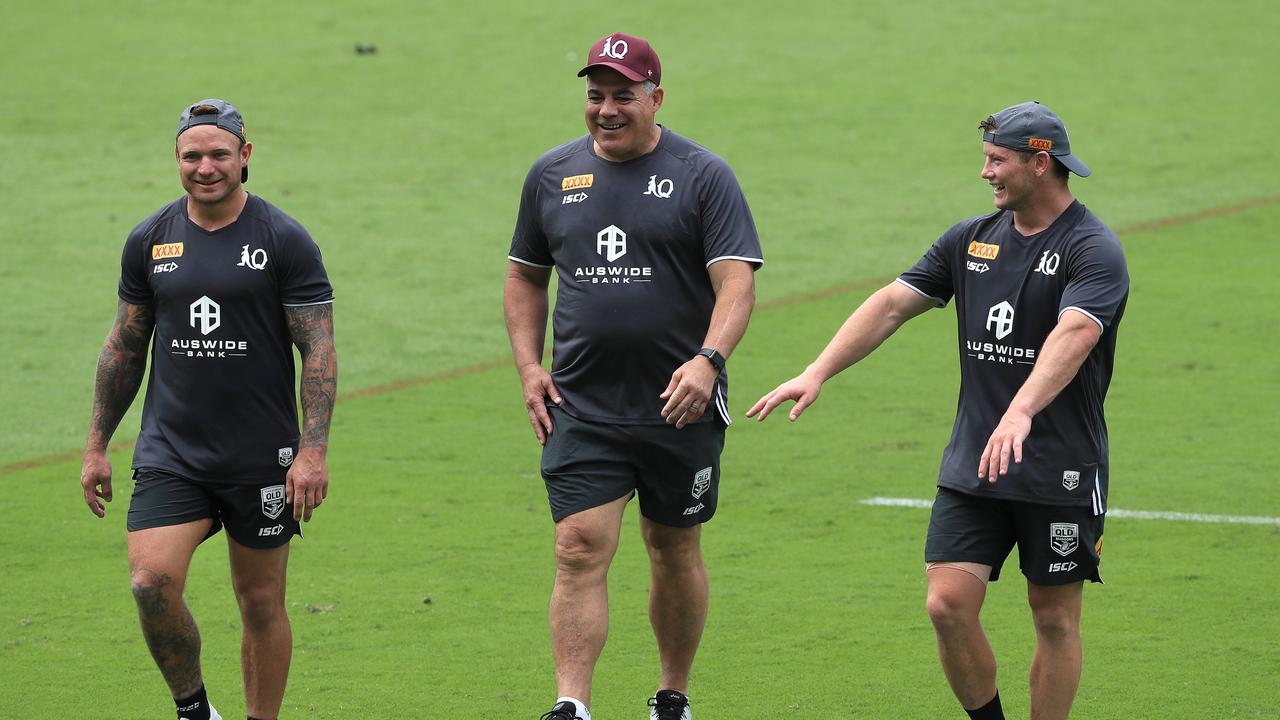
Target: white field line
x=1134, y=514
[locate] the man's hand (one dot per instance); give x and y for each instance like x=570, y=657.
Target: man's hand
x=803, y=389
x=95, y=480
x=307, y=483
x=689, y=391
x=1014, y=427
x=537, y=388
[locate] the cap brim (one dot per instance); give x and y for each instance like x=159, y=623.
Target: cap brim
x=1074, y=165
x=627, y=72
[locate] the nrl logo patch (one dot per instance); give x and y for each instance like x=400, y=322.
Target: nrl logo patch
x=1064, y=538
x=273, y=501
x=701, y=482
x=1071, y=479
x=285, y=456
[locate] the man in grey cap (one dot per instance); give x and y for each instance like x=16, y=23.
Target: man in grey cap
x=1040, y=287
x=222, y=285
x=655, y=250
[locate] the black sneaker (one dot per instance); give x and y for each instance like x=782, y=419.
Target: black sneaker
x=563, y=711
x=669, y=705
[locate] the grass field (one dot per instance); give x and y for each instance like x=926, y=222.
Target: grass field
x=852, y=130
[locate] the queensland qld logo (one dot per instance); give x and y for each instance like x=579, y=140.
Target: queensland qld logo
x=1071, y=479
x=701, y=482
x=284, y=456
x=206, y=315
x=256, y=259
x=611, y=242
x=616, y=50
x=1064, y=538
x=272, y=501
x=1000, y=319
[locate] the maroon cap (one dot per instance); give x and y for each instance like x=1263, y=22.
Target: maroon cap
x=632, y=56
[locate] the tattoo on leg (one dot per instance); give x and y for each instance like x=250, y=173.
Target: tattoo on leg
x=170, y=632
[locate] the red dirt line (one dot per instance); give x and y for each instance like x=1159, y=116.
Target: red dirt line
x=788, y=301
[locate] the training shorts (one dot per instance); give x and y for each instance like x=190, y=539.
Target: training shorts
x=676, y=473
x=255, y=516
x=1057, y=545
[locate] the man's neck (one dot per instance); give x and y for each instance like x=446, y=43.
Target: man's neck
x=1043, y=212
x=218, y=215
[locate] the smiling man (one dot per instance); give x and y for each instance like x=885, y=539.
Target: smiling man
x=1040, y=286
x=655, y=250
x=222, y=285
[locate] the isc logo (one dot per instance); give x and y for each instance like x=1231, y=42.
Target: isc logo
x=270, y=531
x=1063, y=567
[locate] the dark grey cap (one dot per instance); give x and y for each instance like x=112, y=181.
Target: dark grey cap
x=214, y=112
x=1032, y=127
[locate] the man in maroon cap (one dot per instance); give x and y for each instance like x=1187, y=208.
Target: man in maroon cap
x=655, y=250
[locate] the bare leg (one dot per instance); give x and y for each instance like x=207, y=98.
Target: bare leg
x=266, y=647
x=954, y=601
x=677, y=598
x=158, y=563
x=585, y=544
x=1055, y=671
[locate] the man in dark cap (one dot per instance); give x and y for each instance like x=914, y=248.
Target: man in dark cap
x=222, y=285
x=655, y=250
x=1040, y=286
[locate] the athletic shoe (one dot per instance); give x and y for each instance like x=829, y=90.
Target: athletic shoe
x=669, y=705
x=563, y=711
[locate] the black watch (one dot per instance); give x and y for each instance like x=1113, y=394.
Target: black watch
x=717, y=360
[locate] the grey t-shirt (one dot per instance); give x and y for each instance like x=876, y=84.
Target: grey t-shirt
x=631, y=243
x=221, y=402
x=1010, y=291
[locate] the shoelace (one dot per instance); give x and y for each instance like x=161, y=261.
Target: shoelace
x=668, y=708
x=560, y=715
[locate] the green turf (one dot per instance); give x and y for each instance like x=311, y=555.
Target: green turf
x=852, y=129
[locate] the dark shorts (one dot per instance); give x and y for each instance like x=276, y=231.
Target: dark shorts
x=1057, y=545
x=676, y=473
x=256, y=516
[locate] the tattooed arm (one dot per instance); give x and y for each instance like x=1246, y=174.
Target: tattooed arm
x=307, y=483
x=121, y=365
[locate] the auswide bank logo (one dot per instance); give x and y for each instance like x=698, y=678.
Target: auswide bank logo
x=611, y=242
x=206, y=315
x=1000, y=319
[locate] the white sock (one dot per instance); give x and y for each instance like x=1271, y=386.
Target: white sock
x=583, y=712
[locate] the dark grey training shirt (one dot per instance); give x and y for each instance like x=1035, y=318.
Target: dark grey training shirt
x=1010, y=291
x=221, y=403
x=631, y=243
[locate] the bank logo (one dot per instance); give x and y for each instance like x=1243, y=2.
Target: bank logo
x=256, y=259
x=166, y=251
x=206, y=315
x=983, y=250
x=661, y=188
x=577, y=182
x=701, y=482
x=272, y=501
x=1000, y=319
x=615, y=50
x=1071, y=479
x=285, y=456
x=1064, y=538
x=611, y=242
